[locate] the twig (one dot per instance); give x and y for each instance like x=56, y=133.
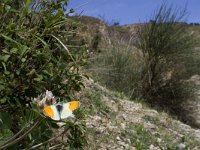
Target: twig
x=55, y=146
x=38, y=145
x=65, y=48
x=21, y=137
x=16, y=135
x=81, y=6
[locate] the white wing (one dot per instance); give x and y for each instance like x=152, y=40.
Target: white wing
x=56, y=115
x=66, y=112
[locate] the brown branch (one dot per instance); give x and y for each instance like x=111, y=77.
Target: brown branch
x=22, y=136
x=14, y=136
x=55, y=146
x=38, y=145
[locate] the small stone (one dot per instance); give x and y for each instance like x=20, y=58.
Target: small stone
x=181, y=146
x=118, y=138
x=124, y=116
x=123, y=126
x=100, y=130
x=97, y=118
x=126, y=146
x=90, y=125
x=152, y=147
x=129, y=141
x=132, y=148
x=123, y=144
x=159, y=140
x=197, y=133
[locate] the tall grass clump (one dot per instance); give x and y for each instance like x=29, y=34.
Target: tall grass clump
x=119, y=68
x=165, y=43
x=39, y=50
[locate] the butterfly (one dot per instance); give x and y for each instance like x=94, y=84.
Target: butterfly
x=61, y=111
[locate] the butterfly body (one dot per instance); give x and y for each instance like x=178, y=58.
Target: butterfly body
x=61, y=111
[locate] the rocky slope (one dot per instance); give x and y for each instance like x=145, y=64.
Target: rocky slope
x=192, y=105
x=115, y=123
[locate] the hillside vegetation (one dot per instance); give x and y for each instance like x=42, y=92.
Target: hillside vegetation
x=34, y=58
x=120, y=75
x=150, y=61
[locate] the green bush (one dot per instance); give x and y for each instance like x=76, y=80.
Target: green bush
x=34, y=57
x=165, y=43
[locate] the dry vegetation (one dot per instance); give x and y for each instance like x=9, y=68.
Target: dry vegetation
x=154, y=70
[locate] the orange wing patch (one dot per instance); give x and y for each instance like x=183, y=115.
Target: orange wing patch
x=73, y=105
x=48, y=111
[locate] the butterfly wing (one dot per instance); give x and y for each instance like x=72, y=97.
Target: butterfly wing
x=68, y=108
x=52, y=112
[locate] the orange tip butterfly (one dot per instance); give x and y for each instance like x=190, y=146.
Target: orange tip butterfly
x=61, y=111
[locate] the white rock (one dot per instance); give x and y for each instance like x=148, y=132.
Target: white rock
x=123, y=126
x=118, y=138
x=181, y=146
x=197, y=133
x=129, y=141
x=159, y=140
x=152, y=147
x=132, y=148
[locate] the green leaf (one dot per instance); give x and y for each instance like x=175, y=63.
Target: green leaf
x=5, y=51
x=31, y=72
x=39, y=78
x=5, y=58
x=5, y=134
x=26, y=7
x=4, y=66
x=18, y=72
x=14, y=50
x=2, y=87
x=8, y=7
x=10, y=39
x=6, y=119
x=23, y=59
x=63, y=66
x=23, y=50
x=45, y=44
x=7, y=72
x=47, y=72
x=3, y=100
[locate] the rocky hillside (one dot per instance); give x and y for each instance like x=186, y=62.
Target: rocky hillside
x=103, y=39
x=116, y=123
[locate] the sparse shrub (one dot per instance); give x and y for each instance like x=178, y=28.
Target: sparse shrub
x=34, y=58
x=119, y=68
x=96, y=40
x=165, y=42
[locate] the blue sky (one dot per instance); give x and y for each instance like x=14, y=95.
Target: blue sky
x=132, y=11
